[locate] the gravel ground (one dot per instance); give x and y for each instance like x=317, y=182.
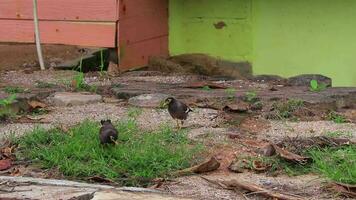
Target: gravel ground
x=198, y=188
x=20, y=78
x=280, y=129
x=149, y=119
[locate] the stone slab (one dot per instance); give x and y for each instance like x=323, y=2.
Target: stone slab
x=73, y=99
x=148, y=100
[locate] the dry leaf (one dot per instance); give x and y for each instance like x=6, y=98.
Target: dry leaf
x=5, y=164
x=36, y=104
x=289, y=155
x=208, y=166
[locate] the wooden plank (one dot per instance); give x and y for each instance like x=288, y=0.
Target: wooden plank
x=16, y=31
x=130, y=8
x=78, y=33
x=60, y=32
x=78, y=10
x=141, y=28
x=137, y=55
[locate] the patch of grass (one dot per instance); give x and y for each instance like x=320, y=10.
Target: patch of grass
x=206, y=88
x=339, y=134
x=251, y=97
x=14, y=90
x=335, y=117
x=79, y=84
x=41, y=84
x=337, y=164
x=231, y=93
x=5, y=109
x=139, y=157
x=316, y=87
x=285, y=110
x=134, y=112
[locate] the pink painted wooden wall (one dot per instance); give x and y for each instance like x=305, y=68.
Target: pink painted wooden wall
x=138, y=27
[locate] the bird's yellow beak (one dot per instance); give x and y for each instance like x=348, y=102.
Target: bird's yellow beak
x=164, y=104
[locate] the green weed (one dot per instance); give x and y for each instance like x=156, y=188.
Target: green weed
x=285, y=110
x=337, y=164
x=80, y=85
x=231, y=93
x=335, y=117
x=206, y=88
x=134, y=112
x=14, y=90
x=339, y=134
x=138, y=158
x=316, y=87
x=251, y=97
x=5, y=109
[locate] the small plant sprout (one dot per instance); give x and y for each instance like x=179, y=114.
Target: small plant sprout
x=14, y=90
x=316, y=87
x=5, y=110
x=231, y=93
x=335, y=117
x=251, y=97
x=206, y=88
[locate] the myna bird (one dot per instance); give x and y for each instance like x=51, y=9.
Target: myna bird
x=178, y=110
x=108, y=133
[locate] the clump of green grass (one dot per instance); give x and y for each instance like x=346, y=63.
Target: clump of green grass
x=206, y=88
x=231, y=93
x=14, y=90
x=337, y=164
x=284, y=110
x=316, y=87
x=339, y=134
x=80, y=85
x=5, y=109
x=139, y=157
x=251, y=97
x=335, y=117
x=134, y=112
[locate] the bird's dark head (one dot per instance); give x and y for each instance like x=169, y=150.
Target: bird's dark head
x=169, y=100
x=105, y=122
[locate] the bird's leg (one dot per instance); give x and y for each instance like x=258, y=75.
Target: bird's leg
x=181, y=122
x=177, y=121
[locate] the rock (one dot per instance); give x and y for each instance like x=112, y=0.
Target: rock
x=126, y=94
x=239, y=107
x=304, y=80
x=72, y=99
x=268, y=78
x=148, y=100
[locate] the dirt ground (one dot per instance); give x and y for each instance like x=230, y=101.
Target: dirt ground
x=53, y=54
x=209, y=123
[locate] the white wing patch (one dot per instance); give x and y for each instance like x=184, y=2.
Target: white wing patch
x=188, y=110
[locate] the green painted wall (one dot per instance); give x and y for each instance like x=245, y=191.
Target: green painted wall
x=305, y=36
x=285, y=37
x=192, y=28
